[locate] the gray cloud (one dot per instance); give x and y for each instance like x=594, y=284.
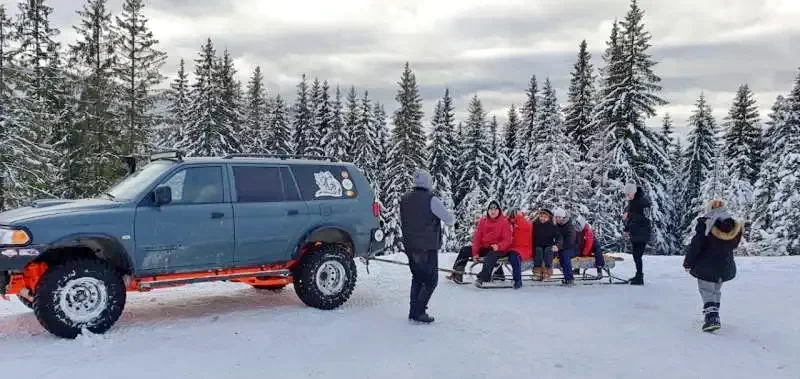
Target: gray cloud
x=471, y=47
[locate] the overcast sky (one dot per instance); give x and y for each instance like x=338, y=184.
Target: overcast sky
x=473, y=46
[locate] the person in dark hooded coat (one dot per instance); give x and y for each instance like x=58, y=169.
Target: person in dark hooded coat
x=637, y=227
x=710, y=258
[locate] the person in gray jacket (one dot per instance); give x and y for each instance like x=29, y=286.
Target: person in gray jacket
x=421, y=216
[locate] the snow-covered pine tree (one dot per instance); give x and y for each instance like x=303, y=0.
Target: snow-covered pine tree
x=698, y=160
x=93, y=57
x=778, y=233
x=514, y=172
x=206, y=135
x=580, y=103
x=365, y=144
x=280, y=128
x=381, y=133
x=529, y=110
x=229, y=113
x=179, y=103
x=256, y=134
x=440, y=163
x=743, y=135
x=408, y=150
x=554, y=179
x=336, y=140
x=475, y=156
x=472, y=207
x=323, y=118
x=629, y=150
x=38, y=80
x=351, y=118
x=767, y=183
x=138, y=70
x=302, y=117
x=670, y=144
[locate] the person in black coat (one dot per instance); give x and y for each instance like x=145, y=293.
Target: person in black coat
x=637, y=227
x=710, y=258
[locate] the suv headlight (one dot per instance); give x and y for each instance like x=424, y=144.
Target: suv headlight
x=14, y=237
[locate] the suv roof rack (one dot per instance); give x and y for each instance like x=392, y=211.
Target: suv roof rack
x=280, y=156
x=167, y=154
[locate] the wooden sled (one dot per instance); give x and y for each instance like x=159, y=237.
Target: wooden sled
x=584, y=272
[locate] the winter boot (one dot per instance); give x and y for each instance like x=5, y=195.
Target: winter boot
x=548, y=273
x=517, y=285
x=599, y=272
x=637, y=280
x=711, y=312
x=423, y=318
x=478, y=283
x=568, y=283
x=537, y=273
x=458, y=278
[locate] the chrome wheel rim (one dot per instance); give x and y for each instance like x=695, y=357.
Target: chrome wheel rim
x=83, y=299
x=330, y=278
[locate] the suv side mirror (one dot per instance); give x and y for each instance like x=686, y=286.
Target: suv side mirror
x=163, y=195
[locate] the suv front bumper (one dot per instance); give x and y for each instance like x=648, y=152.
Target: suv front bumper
x=15, y=259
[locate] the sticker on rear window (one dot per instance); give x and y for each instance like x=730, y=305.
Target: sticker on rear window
x=327, y=185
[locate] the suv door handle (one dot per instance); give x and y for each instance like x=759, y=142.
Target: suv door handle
x=292, y=212
x=217, y=215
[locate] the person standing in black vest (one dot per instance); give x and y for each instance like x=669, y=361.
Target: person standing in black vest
x=421, y=217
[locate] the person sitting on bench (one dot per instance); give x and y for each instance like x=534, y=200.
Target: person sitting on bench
x=492, y=239
x=520, y=250
x=588, y=246
x=546, y=240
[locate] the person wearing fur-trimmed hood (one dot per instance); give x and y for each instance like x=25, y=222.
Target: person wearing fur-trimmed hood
x=710, y=258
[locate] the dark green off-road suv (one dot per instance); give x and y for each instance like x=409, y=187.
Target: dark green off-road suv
x=267, y=221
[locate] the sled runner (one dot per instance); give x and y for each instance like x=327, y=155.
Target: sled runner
x=585, y=267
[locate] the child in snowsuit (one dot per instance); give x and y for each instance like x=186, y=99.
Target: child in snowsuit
x=492, y=235
x=588, y=246
x=710, y=258
x=546, y=239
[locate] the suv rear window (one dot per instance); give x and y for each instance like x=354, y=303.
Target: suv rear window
x=325, y=182
x=258, y=184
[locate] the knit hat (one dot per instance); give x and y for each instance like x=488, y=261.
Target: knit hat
x=545, y=211
x=630, y=188
x=560, y=212
x=581, y=222
x=422, y=179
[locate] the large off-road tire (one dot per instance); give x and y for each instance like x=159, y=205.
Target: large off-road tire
x=78, y=294
x=325, y=278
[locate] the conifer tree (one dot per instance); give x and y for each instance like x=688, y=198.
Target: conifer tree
x=581, y=102
x=207, y=134
x=256, y=134
x=408, y=148
x=553, y=176
x=94, y=57
x=529, y=110
x=743, y=135
x=381, y=133
x=475, y=157
x=179, y=103
x=514, y=181
x=138, y=71
x=472, y=207
x=766, y=185
x=365, y=147
x=351, y=118
x=779, y=233
x=698, y=159
x=280, y=128
x=440, y=162
x=323, y=117
x=229, y=113
x=336, y=140
x=302, y=116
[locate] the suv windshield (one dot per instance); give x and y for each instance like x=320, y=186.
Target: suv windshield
x=135, y=183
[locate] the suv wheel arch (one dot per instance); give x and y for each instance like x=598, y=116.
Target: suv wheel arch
x=104, y=247
x=326, y=234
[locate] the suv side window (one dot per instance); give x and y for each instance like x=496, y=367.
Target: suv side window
x=196, y=185
x=255, y=184
x=325, y=182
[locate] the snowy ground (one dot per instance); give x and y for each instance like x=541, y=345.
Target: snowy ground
x=229, y=330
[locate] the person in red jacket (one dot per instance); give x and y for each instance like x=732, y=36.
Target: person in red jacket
x=492, y=235
x=588, y=246
x=520, y=249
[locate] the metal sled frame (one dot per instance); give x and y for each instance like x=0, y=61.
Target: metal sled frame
x=605, y=272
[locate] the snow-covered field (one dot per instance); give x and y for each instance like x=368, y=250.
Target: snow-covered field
x=231, y=331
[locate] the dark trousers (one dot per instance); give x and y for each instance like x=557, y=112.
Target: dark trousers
x=543, y=256
x=599, y=261
x=465, y=255
x=491, y=258
x=565, y=260
x=638, y=251
x=424, y=277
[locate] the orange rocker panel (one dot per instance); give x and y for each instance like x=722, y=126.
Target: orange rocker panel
x=33, y=272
